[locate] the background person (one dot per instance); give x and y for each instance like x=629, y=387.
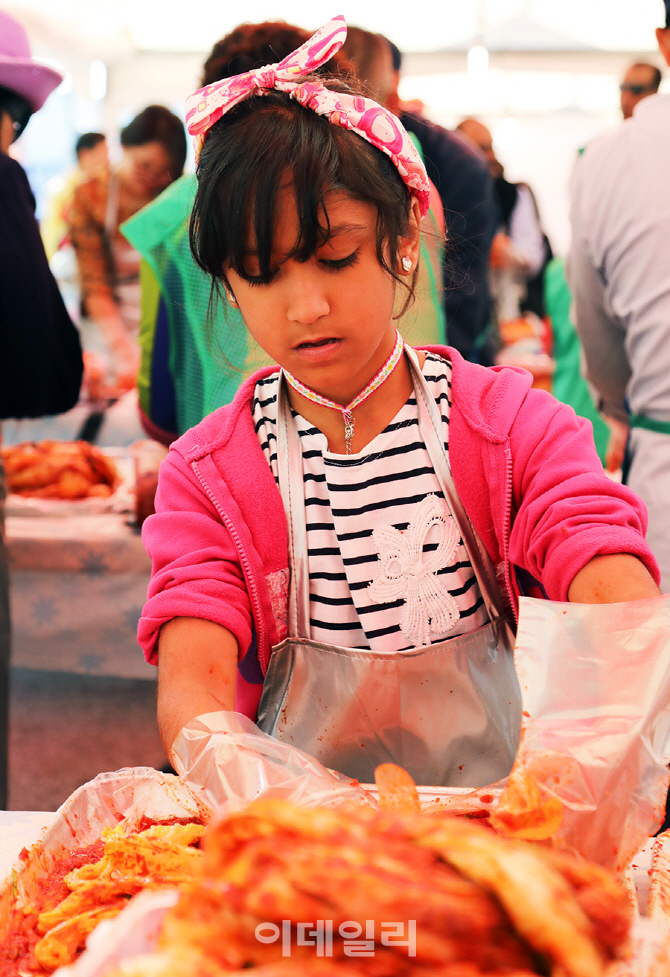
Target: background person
x=40, y=356
x=519, y=254
x=568, y=384
x=518, y=247
x=640, y=81
x=92, y=155
x=368, y=57
x=466, y=191
x=153, y=155
x=618, y=271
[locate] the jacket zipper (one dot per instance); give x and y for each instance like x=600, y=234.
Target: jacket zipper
x=514, y=597
x=253, y=591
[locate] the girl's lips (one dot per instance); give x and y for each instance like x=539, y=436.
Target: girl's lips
x=318, y=350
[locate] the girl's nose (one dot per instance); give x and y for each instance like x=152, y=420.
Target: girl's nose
x=307, y=300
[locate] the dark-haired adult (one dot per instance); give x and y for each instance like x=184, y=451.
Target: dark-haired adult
x=466, y=189
x=40, y=356
x=368, y=57
x=153, y=155
x=87, y=142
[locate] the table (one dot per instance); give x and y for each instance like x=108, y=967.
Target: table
x=77, y=587
x=19, y=829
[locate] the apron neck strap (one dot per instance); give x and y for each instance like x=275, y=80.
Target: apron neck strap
x=292, y=489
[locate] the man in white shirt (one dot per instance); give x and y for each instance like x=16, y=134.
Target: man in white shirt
x=619, y=273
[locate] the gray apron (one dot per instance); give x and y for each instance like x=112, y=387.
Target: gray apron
x=449, y=713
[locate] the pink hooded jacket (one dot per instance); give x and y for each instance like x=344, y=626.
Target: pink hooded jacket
x=524, y=465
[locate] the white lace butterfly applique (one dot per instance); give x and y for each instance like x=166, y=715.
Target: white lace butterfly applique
x=406, y=572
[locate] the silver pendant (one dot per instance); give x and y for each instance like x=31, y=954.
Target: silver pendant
x=348, y=430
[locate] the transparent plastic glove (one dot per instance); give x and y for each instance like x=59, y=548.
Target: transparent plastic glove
x=228, y=762
x=595, y=686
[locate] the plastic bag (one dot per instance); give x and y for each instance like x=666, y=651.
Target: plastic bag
x=595, y=686
x=227, y=761
x=131, y=934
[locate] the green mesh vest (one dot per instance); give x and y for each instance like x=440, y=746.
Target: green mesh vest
x=210, y=351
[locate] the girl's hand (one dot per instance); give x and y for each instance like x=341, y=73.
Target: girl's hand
x=612, y=578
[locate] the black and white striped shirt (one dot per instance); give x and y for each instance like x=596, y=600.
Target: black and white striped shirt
x=387, y=567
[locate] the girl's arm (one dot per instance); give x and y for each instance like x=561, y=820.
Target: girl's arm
x=577, y=532
x=612, y=578
x=197, y=667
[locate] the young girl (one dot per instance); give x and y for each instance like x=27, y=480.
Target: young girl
x=338, y=553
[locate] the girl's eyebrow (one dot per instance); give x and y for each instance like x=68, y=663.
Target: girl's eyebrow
x=345, y=228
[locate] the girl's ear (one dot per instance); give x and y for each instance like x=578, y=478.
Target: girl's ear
x=409, y=244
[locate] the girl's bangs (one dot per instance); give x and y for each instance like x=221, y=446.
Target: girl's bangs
x=294, y=158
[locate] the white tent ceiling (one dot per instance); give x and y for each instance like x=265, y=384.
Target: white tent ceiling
x=552, y=83
x=113, y=29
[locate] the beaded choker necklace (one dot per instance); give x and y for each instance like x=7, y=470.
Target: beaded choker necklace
x=347, y=412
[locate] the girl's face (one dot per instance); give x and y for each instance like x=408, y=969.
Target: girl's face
x=328, y=320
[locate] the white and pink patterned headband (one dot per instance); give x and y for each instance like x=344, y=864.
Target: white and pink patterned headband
x=361, y=115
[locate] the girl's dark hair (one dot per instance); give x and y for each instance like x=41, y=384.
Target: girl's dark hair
x=157, y=124
x=244, y=163
x=18, y=109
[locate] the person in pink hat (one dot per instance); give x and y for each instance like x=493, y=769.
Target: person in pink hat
x=25, y=83
x=40, y=354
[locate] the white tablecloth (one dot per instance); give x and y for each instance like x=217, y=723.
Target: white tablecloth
x=18, y=829
x=77, y=587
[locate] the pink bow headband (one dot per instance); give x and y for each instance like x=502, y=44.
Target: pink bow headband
x=361, y=115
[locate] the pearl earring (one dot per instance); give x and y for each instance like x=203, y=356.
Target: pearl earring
x=231, y=298
x=406, y=263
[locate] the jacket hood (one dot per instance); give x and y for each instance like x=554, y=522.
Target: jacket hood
x=488, y=397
